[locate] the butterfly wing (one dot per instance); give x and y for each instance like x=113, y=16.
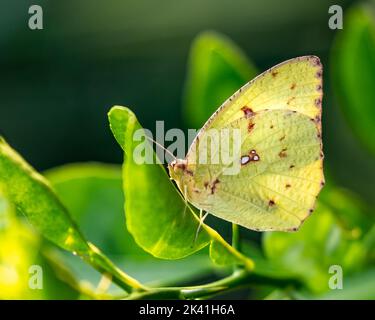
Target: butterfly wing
x=279, y=177
x=278, y=114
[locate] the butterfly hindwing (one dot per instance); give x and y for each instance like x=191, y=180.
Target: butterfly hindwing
x=280, y=173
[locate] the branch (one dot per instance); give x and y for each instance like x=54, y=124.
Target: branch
x=238, y=279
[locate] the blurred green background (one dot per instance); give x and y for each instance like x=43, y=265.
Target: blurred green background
x=92, y=55
x=57, y=84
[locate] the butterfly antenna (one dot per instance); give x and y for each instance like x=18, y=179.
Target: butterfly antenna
x=162, y=147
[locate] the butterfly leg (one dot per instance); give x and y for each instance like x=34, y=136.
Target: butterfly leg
x=185, y=199
x=201, y=219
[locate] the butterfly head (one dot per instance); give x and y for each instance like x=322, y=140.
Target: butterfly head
x=177, y=168
x=181, y=174
x=177, y=165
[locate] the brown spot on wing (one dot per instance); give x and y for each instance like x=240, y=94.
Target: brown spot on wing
x=213, y=187
x=293, y=86
x=252, y=156
x=282, y=153
x=315, y=61
x=184, y=168
x=181, y=166
x=291, y=166
x=290, y=100
x=282, y=138
x=189, y=172
x=287, y=186
x=247, y=111
x=318, y=102
x=245, y=160
x=274, y=73
x=250, y=126
x=271, y=203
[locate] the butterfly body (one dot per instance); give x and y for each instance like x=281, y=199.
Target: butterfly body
x=271, y=178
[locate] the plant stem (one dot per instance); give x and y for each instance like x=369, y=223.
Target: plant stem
x=236, y=237
x=245, y=261
x=65, y=275
x=238, y=279
x=100, y=262
x=236, y=243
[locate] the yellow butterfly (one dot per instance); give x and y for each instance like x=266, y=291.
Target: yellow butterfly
x=280, y=160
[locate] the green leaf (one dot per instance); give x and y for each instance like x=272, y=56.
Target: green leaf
x=266, y=267
x=156, y=214
x=369, y=242
x=217, y=68
x=93, y=194
x=353, y=69
x=34, y=198
x=322, y=241
x=350, y=211
x=20, y=249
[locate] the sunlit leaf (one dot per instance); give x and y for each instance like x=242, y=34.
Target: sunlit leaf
x=93, y=194
x=19, y=254
x=18, y=251
x=155, y=211
x=33, y=197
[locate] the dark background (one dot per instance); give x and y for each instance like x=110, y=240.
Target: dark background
x=57, y=84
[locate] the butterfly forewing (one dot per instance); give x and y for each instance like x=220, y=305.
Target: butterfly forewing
x=295, y=84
